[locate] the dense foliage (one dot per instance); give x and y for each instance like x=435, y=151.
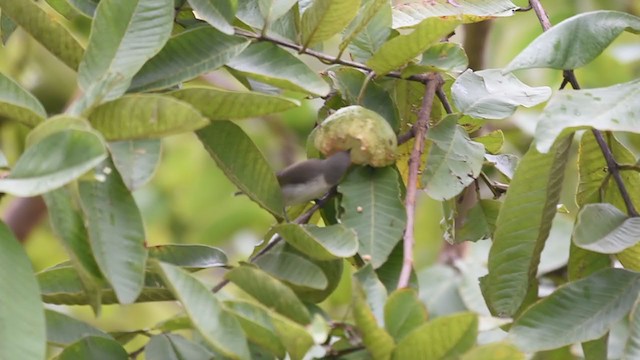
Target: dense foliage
x=539, y=248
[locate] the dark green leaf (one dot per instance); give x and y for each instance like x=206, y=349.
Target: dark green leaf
x=522, y=228
x=187, y=55
x=369, y=30
x=136, y=160
x=257, y=325
x=325, y=18
x=63, y=330
x=189, y=255
x=293, y=269
x=576, y=41
x=632, y=348
x=217, y=326
x=243, y=163
x=116, y=231
x=403, y=312
x=94, y=347
x=175, y=347
x=218, y=13
x=18, y=104
x=372, y=207
x=578, y=311
x=23, y=323
x=322, y=243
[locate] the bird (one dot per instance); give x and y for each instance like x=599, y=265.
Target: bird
x=310, y=179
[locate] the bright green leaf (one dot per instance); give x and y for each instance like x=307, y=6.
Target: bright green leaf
x=243, y=163
x=116, y=231
x=372, y=207
x=605, y=229
x=219, y=104
x=322, y=243
x=187, y=55
x=488, y=94
x=47, y=31
x=578, y=311
x=443, y=338
x=270, y=292
x=576, y=41
x=88, y=7
x=124, y=35
x=173, y=347
x=64, y=330
x=218, y=13
x=145, y=116
x=494, y=351
x=273, y=10
x=53, y=162
x=443, y=57
x=257, y=325
x=480, y=221
x=454, y=160
x=136, y=160
x=22, y=330
x=369, y=29
x=492, y=141
x=400, y=50
x=217, y=326
x=522, y=228
x=270, y=64
x=408, y=13
x=403, y=312
x=58, y=123
x=17, y=103
x=94, y=347
x=192, y=256
x=613, y=108
x=632, y=348
x=325, y=18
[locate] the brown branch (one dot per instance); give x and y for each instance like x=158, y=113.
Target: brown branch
x=570, y=78
x=302, y=219
x=420, y=129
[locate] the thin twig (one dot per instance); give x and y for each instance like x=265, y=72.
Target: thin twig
x=569, y=77
x=420, y=129
x=302, y=219
x=443, y=99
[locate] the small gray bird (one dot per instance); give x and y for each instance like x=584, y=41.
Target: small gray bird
x=310, y=179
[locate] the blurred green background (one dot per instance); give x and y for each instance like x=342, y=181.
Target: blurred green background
x=189, y=199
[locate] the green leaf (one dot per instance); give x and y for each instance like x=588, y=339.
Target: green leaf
x=613, y=108
x=64, y=330
x=270, y=292
x=218, y=13
x=296, y=338
x=17, y=103
x=578, y=311
x=53, y=162
x=632, y=348
x=145, y=116
x=273, y=10
x=61, y=285
x=325, y=18
x=243, y=163
x=488, y=94
x=480, y=222
x=494, y=351
x=187, y=55
x=400, y=50
x=410, y=13
x=22, y=335
x=174, y=346
x=374, y=291
x=403, y=312
x=136, y=160
x=191, y=256
x=293, y=269
x=583, y=263
x=270, y=64
x=7, y=28
x=218, y=327
x=522, y=228
x=372, y=207
x=605, y=229
x=68, y=225
x=124, y=35
x=257, y=324
x=88, y=7
x=576, y=41
x=116, y=231
x=94, y=347
x=443, y=338
x=454, y=160
x=389, y=272
x=444, y=57
x=349, y=82
x=322, y=243
x=504, y=163
x=372, y=22
x=48, y=32
x=492, y=141
x=376, y=340
x=219, y=104
x=56, y=124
